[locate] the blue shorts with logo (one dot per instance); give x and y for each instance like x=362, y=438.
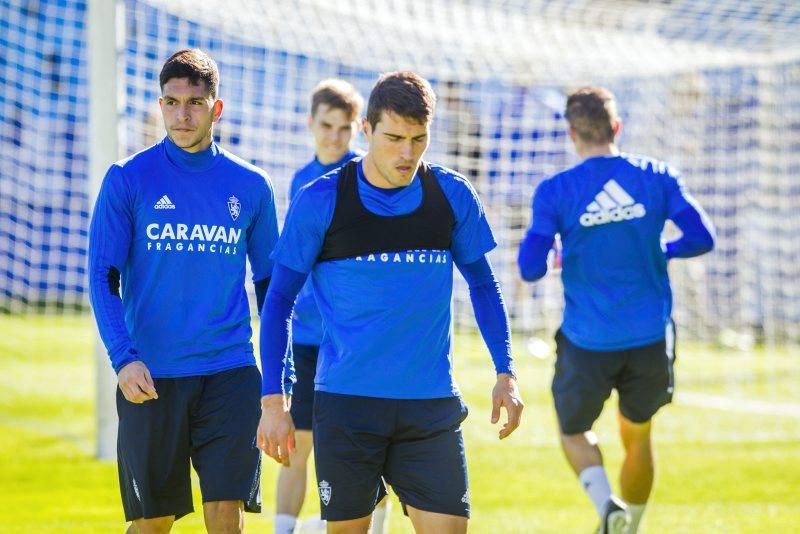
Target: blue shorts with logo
x=305, y=368
x=583, y=380
x=208, y=420
x=415, y=445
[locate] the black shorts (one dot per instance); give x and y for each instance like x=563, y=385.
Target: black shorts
x=415, y=445
x=305, y=368
x=210, y=420
x=583, y=380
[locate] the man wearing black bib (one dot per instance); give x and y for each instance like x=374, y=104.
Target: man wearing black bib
x=379, y=237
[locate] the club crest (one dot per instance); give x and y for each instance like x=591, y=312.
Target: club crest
x=325, y=492
x=234, y=208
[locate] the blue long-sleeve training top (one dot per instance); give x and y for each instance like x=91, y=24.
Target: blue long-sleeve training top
x=388, y=323
x=172, y=231
x=610, y=213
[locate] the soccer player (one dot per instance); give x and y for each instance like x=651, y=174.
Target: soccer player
x=172, y=227
x=380, y=237
x=610, y=211
x=335, y=109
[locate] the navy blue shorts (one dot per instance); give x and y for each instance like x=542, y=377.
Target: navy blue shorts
x=210, y=420
x=415, y=445
x=305, y=368
x=583, y=380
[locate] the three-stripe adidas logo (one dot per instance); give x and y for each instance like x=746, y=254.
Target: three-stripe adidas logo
x=164, y=203
x=612, y=204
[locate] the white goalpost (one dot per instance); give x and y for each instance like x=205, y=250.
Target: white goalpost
x=103, y=144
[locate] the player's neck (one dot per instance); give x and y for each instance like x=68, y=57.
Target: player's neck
x=192, y=161
x=590, y=151
x=331, y=159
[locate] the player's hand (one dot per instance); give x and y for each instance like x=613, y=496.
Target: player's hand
x=276, y=429
x=136, y=383
x=506, y=393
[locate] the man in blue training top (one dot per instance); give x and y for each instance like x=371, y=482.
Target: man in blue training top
x=610, y=212
x=334, y=121
x=380, y=237
x=172, y=226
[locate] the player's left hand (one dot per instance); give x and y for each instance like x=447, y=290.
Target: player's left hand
x=506, y=393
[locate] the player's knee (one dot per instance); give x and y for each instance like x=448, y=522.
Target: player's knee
x=350, y=526
x=425, y=521
x=224, y=517
x=634, y=433
x=587, y=438
x=156, y=525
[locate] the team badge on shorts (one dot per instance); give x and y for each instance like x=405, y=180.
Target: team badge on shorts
x=325, y=492
x=234, y=208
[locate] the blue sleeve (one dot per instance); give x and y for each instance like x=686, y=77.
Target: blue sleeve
x=533, y=251
x=306, y=223
x=490, y=312
x=110, y=236
x=698, y=234
x=532, y=257
x=686, y=213
x=277, y=364
x=472, y=236
x=263, y=233
x=677, y=195
x=544, y=219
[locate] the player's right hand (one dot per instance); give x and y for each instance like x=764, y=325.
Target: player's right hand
x=276, y=429
x=136, y=383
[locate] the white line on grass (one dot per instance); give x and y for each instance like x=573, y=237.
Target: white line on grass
x=734, y=404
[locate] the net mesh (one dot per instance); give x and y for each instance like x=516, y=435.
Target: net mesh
x=43, y=162
x=711, y=87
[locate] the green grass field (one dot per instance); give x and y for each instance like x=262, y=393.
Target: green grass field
x=728, y=448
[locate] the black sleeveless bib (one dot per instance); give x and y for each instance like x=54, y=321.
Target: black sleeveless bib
x=356, y=231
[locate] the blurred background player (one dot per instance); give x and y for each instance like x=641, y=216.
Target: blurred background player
x=609, y=211
x=380, y=237
x=334, y=122
x=172, y=227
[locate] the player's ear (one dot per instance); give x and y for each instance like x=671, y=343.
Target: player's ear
x=617, y=127
x=572, y=135
x=216, y=110
x=310, y=121
x=367, y=127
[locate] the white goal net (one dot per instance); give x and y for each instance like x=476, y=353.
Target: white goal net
x=710, y=86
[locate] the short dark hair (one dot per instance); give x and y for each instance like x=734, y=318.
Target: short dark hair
x=405, y=93
x=591, y=113
x=194, y=64
x=337, y=94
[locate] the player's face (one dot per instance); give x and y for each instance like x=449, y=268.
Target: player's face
x=189, y=113
x=396, y=146
x=333, y=130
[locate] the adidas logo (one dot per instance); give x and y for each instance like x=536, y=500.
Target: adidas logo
x=164, y=203
x=612, y=204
